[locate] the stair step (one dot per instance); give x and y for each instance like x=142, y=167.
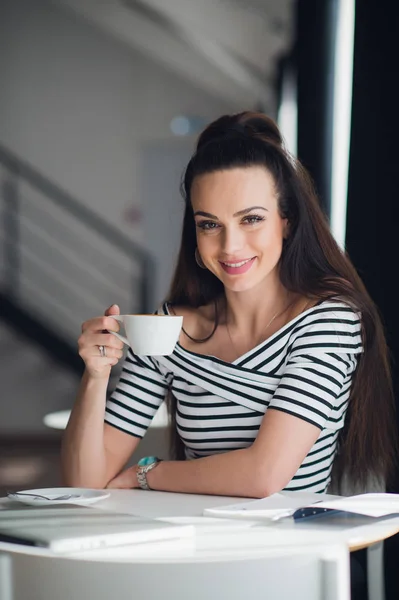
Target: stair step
x=32, y=385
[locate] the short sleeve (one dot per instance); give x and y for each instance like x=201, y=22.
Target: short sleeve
x=316, y=389
x=139, y=393
x=332, y=327
x=163, y=309
x=321, y=361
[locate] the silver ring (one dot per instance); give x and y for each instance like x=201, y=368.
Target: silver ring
x=102, y=351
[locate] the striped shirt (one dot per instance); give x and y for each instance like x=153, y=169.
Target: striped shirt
x=305, y=369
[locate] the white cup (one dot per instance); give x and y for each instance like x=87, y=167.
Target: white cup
x=150, y=335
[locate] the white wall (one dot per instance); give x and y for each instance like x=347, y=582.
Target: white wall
x=163, y=214
x=82, y=108
x=78, y=105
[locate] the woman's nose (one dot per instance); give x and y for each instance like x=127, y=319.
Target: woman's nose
x=232, y=241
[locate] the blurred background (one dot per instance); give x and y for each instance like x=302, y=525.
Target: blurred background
x=100, y=105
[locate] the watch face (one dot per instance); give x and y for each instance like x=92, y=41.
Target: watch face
x=147, y=460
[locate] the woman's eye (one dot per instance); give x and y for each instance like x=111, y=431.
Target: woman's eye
x=207, y=225
x=252, y=219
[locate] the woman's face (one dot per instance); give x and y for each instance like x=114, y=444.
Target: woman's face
x=239, y=229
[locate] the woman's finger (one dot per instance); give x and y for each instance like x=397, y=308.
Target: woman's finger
x=95, y=352
x=99, y=349
x=100, y=323
x=112, y=310
x=99, y=339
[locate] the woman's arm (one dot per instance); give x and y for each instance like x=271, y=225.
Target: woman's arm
x=262, y=469
x=93, y=452
x=315, y=386
x=302, y=403
x=102, y=435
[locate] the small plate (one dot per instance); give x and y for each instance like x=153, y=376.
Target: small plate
x=84, y=496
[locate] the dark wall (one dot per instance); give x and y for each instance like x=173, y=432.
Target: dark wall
x=373, y=195
x=373, y=215
x=314, y=59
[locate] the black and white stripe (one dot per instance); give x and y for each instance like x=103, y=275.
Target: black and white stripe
x=305, y=369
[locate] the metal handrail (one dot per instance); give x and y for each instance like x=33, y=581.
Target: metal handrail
x=70, y=204
x=22, y=170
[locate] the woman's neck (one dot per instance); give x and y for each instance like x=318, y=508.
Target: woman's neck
x=249, y=312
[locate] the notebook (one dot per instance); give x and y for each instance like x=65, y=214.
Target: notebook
x=279, y=505
x=66, y=529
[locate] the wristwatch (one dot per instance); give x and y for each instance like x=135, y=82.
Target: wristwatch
x=143, y=466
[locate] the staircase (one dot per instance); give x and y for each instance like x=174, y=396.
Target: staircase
x=33, y=384
x=60, y=264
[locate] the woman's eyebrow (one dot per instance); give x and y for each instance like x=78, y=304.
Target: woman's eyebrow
x=237, y=214
x=247, y=210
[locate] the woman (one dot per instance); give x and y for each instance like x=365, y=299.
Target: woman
x=281, y=370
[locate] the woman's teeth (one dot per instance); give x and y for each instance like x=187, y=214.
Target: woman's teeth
x=236, y=265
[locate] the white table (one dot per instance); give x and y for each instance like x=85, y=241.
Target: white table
x=226, y=560
x=356, y=532
x=236, y=546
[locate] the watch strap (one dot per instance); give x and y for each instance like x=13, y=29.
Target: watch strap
x=142, y=471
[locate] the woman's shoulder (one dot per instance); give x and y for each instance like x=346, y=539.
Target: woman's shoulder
x=333, y=324
x=319, y=311
x=199, y=321
x=336, y=308
x=196, y=312
x=330, y=314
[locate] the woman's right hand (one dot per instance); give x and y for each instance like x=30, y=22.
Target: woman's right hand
x=93, y=336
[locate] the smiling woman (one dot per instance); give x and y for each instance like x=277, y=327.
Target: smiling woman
x=281, y=361
x=241, y=238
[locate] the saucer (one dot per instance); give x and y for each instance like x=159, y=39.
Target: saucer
x=79, y=496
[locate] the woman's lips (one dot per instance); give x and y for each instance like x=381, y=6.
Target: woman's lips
x=237, y=270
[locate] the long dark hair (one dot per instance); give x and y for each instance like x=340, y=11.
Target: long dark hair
x=312, y=265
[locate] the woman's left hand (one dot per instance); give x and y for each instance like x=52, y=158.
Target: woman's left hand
x=126, y=480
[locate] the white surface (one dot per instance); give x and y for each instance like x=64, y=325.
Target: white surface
x=273, y=506
x=227, y=542
x=57, y=420
x=71, y=530
x=80, y=496
x=371, y=505
x=319, y=572
x=237, y=70
x=233, y=541
x=60, y=418
x=150, y=335
x=6, y=576
x=376, y=572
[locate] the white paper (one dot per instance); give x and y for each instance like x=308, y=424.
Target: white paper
x=269, y=507
x=372, y=505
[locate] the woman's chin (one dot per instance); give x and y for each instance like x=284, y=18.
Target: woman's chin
x=239, y=286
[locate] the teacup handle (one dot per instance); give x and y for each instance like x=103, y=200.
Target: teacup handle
x=120, y=337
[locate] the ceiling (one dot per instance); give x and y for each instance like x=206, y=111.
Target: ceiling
x=228, y=48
